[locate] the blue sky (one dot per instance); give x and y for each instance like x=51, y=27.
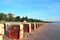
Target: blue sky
x=38, y=9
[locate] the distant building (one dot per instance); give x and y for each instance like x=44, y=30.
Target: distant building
x=24, y=21
x=10, y=15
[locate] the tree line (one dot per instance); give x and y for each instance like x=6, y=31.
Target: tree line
x=10, y=17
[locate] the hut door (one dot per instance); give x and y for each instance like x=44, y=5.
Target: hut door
x=26, y=28
x=32, y=26
x=14, y=32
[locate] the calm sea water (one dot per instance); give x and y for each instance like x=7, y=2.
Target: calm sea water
x=57, y=23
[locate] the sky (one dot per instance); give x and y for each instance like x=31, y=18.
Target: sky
x=47, y=10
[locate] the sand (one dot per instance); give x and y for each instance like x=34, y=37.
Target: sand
x=45, y=32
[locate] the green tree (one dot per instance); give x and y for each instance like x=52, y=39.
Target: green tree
x=10, y=17
x=17, y=18
x=2, y=16
x=26, y=18
x=31, y=20
x=22, y=19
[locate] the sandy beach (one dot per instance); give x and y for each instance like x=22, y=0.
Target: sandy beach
x=45, y=32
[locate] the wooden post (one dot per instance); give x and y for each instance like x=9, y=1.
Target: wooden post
x=1, y=31
x=29, y=27
x=7, y=25
x=34, y=26
x=21, y=31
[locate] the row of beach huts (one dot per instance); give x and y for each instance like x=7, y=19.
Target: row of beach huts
x=17, y=30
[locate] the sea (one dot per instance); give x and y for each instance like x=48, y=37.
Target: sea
x=57, y=23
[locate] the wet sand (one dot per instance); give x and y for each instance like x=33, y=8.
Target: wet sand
x=45, y=32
